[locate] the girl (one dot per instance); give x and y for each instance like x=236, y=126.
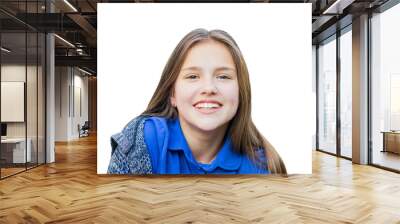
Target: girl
x=199, y=118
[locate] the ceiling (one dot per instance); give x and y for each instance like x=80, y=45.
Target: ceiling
x=76, y=22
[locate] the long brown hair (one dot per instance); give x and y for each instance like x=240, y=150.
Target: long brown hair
x=244, y=134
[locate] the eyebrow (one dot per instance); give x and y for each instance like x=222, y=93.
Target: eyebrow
x=226, y=68
x=218, y=69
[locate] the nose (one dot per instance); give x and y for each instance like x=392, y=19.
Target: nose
x=209, y=87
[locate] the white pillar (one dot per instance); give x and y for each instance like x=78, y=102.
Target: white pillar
x=360, y=90
x=50, y=93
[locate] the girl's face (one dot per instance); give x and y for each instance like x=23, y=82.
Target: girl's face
x=206, y=91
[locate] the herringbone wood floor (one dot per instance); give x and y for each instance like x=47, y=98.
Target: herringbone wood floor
x=70, y=191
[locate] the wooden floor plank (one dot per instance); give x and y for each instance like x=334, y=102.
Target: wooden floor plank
x=70, y=191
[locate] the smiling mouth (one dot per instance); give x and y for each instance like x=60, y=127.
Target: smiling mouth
x=207, y=105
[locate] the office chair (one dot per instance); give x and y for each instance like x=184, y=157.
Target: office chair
x=84, y=130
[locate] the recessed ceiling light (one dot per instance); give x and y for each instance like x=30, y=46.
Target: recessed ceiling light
x=338, y=6
x=64, y=40
x=5, y=50
x=70, y=5
x=84, y=71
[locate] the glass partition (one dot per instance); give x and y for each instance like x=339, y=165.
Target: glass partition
x=346, y=93
x=22, y=77
x=41, y=85
x=31, y=100
x=34, y=49
x=13, y=94
x=327, y=96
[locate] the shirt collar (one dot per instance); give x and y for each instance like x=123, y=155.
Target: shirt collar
x=226, y=158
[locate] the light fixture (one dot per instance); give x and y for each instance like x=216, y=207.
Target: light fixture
x=337, y=7
x=79, y=51
x=70, y=5
x=64, y=40
x=84, y=71
x=5, y=50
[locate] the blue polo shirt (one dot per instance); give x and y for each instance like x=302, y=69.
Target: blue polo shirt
x=171, y=154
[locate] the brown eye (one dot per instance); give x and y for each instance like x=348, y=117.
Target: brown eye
x=223, y=76
x=191, y=76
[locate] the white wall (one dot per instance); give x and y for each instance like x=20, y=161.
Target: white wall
x=314, y=91
x=33, y=127
x=61, y=103
x=70, y=83
x=80, y=83
x=16, y=72
x=10, y=73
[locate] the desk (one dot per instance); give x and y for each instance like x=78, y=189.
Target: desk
x=17, y=150
x=391, y=141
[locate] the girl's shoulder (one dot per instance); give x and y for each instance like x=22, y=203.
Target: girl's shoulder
x=157, y=134
x=135, y=129
x=130, y=154
x=157, y=122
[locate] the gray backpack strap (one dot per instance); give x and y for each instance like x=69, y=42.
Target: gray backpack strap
x=129, y=151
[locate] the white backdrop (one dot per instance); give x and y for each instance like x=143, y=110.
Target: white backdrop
x=135, y=41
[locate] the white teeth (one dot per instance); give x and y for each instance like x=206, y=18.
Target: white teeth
x=207, y=105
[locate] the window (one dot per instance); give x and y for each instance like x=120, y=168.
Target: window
x=327, y=96
x=346, y=93
x=385, y=88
